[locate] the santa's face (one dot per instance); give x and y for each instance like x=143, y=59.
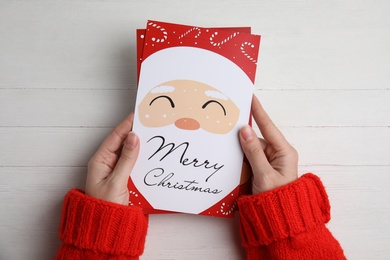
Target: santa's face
x=189, y=105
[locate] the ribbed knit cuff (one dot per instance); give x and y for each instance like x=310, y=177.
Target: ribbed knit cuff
x=283, y=212
x=103, y=227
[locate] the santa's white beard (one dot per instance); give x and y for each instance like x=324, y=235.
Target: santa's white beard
x=186, y=170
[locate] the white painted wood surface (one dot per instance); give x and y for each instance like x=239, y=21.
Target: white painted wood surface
x=67, y=76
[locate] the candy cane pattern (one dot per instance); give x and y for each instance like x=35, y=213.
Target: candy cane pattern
x=245, y=54
x=217, y=44
x=165, y=34
x=131, y=193
x=190, y=30
x=230, y=211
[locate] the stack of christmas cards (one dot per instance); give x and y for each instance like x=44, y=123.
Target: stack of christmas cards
x=195, y=89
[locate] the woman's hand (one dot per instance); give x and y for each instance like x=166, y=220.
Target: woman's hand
x=273, y=160
x=110, y=167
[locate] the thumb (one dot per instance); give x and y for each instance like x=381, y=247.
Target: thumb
x=127, y=158
x=253, y=149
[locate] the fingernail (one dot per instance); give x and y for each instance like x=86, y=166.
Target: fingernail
x=131, y=140
x=247, y=133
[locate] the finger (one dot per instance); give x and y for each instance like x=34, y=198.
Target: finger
x=115, y=139
x=270, y=132
x=127, y=159
x=253, y=149
x=263, y=143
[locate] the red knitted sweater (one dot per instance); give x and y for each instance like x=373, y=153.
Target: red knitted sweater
x=285, y=223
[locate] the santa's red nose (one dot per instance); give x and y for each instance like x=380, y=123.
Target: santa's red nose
x=187, y=124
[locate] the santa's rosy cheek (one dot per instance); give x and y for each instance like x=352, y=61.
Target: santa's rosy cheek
x=153, y=117
x=215, y=121
x=159, y=115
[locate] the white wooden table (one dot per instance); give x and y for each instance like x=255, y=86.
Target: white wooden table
x=67, y=76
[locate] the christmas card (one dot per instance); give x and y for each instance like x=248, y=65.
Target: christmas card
x=195, y=88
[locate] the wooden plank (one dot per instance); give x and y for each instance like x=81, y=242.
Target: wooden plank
x=327, y=107
x=30, y=206
x=74, y=146
x=105, y=108
x=67, y=45
x=340, y=146
x=354, y=192
x=76, y=48
x=49, y=146
x=72, y=108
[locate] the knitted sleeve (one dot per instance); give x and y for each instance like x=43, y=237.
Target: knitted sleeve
x=289, y=222
x=96, y=229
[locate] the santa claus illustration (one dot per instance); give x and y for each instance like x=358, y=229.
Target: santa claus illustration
x=190, y=105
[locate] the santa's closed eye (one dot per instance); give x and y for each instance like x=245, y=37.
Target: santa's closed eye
x=214, y=101
x=164, y=97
